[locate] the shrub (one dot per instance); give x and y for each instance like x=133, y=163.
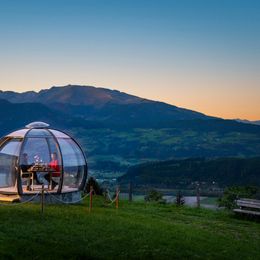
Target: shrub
x=232, y=193
x=153, y=195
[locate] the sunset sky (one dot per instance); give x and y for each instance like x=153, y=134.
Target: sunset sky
x=198, y=54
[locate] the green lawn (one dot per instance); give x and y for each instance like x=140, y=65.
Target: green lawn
x=210, y=201
x=136, y=230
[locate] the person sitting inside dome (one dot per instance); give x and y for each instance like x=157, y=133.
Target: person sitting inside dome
x=25, y=166
x=54, y=165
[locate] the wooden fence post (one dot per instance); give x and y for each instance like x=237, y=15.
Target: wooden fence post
x=198, y=195
x=117, y=197
x=90, y=198
x=130, y=191
x=42, y=198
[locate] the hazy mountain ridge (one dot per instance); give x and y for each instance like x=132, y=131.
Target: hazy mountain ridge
x=102, y=104
x=245, y=121
x=73, y=95
x=17, y=115
x=85, y=106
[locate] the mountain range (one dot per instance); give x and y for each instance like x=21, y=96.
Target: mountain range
x=104, y=105
x=119, y=129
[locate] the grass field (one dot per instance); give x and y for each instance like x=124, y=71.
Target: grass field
x=210, y=201
x=136, y=230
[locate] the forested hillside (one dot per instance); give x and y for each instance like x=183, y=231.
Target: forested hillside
x=183, y=173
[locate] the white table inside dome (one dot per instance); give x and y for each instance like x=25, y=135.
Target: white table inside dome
x=41, y=170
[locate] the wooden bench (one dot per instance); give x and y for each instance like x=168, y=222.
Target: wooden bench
x=248, y=207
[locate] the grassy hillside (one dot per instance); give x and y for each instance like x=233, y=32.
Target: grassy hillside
x=136, y=230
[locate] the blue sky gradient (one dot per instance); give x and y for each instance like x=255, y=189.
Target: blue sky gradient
x=199, y=54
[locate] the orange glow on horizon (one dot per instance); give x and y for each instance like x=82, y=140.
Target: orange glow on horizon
x=218, y=106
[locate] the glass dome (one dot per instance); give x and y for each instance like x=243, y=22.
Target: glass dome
x=38, y=155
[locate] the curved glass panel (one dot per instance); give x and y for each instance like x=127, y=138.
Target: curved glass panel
x=73, y=164
x=18, y=133
x=38, y=133
x=59, y=134
x=8, y=165
x=40, y=163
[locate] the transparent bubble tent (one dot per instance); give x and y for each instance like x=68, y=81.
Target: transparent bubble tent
x=38, y=156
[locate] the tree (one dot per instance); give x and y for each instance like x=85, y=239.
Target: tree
x=179, y=199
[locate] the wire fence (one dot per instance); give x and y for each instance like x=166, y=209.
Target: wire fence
x=44, y=192
x=108, y=196
x=67, y=202
x=111, y=197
